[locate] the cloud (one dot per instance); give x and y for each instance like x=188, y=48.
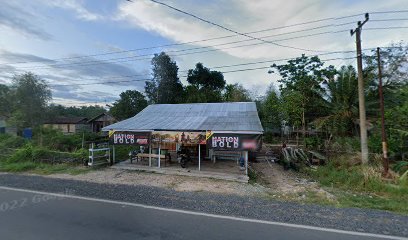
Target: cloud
x=15, y=18
x=75, y=69
x=97, y=70
x=77, y=7
x=69, y=94
x=65, y=77
x=247, y=16
x=14, y=57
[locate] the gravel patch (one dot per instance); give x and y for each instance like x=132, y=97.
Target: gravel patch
x=352, y=219
x=177, y=183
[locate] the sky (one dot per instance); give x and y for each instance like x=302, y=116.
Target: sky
x=73, y=44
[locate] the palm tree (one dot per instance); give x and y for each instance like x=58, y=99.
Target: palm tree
x=341, y=101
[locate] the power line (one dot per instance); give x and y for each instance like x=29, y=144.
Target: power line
x=230, y=30
x=224, y=66
x=137, y=58
x=188, y=42
x=391, y=11
x=240, y=64
x=231, y=71
x=215, y=38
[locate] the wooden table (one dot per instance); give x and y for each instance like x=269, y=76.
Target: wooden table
x=141, y=156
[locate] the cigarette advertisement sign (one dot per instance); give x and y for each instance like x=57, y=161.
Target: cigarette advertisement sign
x=179, y=137
x=233, y=142
x=129, y=138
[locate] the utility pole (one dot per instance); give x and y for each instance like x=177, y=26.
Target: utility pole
x=361, y=100
x=383, y=135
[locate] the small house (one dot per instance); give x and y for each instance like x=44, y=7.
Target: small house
x=102, y=120
x=69, y=125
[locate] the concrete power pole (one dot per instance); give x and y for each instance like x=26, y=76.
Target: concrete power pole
x=361, y=100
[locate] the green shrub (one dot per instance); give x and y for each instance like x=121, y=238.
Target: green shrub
x=313, y=142
x=344, y=144
x=24, y=154
x=401, y=167
x=343, y=174
x=9, y=141
x=270, y=137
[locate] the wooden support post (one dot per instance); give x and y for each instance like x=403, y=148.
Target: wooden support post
x=158, y=164
x=109, y=156
x=150, y=154
x=199, y=157
x=113, y=154
x=92, y=153
x=246, y=163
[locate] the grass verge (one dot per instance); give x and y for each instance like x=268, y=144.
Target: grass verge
x=42, y=168
x=355, y=185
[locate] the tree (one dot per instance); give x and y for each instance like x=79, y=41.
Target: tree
x=165, y=86
x=236, y=93
x=270, y=111
x=73, y=111
x=341, y=102
x=394, y=62
x=301, y=88
x=31, y=95
x=131, y=102
x=5, y=101
x=205, y=85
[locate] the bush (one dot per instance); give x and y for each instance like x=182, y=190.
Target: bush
x=30, y=153
x=313, y=142
x=342, y=173
x=344, y=144
x=270, y=137
x=395, y=145
x=9, y=141
x=23, y=154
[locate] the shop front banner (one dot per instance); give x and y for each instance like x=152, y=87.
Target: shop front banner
x=179, y=137
x=233, y=142
x=129, y=138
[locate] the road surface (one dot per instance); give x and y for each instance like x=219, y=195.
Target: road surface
x=26, y=214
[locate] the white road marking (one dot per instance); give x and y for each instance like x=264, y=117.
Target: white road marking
x=208, y=214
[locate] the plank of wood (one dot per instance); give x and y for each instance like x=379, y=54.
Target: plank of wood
x=146, y=155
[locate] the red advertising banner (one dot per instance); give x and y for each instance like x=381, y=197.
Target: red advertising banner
x=129, y=138
x=233, y=142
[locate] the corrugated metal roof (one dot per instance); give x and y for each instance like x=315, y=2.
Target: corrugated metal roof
x=236, y=116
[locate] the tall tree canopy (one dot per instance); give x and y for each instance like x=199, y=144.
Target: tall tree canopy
x=6, y=101
x=301, y=87
x=394, y=65
x=236, y=93
x=341, y=102
x=165, y=86
x=205, y=85
x=270, y=110
x=131, y=102
x=73, y=111
x=30, y=96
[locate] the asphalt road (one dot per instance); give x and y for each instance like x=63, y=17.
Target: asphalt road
x=35, y=215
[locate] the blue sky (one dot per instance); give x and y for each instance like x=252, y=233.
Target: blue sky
x=65, y=42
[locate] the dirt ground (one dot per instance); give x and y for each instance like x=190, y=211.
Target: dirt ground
x=272, y=181
x=178, y=183
x=288, y=184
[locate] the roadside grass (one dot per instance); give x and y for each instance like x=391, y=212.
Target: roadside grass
x=359, y=186
x=42, y=168
x=20, y=155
